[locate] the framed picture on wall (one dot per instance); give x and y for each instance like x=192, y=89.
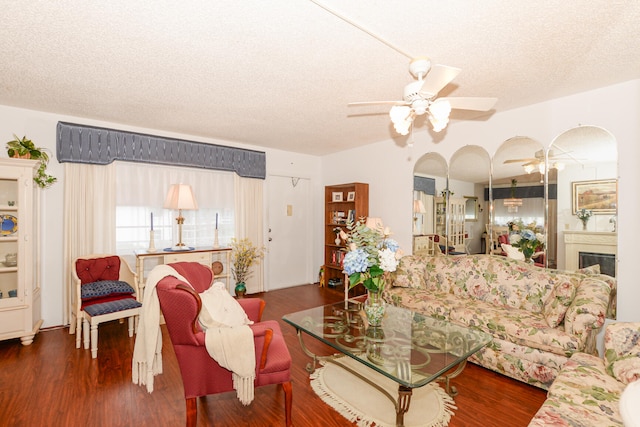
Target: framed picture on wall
x=351, y=196
x=336, y=196
x=598, y=196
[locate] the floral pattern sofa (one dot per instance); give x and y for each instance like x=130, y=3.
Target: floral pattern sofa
x=538, y=317
x=587, y=390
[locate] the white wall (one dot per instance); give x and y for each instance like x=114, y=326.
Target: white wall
x=388, y=166
x=41, y=128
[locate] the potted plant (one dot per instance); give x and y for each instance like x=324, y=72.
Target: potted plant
x=25, y=149
x=243, y=255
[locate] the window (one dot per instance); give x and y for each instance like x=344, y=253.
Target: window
x=141, y=190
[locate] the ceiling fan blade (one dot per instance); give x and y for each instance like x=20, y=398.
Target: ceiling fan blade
x=437, y=78
x=378, y=103
x=472, y=103
x=519, y=160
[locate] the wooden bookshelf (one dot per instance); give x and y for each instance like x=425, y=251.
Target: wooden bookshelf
x=341, y=202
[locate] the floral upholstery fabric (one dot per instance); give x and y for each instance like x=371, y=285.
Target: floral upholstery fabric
x=538, y=317
x=622, y=351
x=556, y=305
x=531, y=366
x=585, y=393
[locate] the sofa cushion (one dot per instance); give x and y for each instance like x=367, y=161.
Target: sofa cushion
x=96, y=269
x=582, y=394
x=410, y=273
x=532, y=366
x=521, y=327
x=429, y=303
x=504, y=281
x=557, y=303
x=112, y=306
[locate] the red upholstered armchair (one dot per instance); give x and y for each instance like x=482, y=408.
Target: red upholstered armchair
x=201, y=375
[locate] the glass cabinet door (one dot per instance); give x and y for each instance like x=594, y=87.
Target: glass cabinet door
x=9, y=233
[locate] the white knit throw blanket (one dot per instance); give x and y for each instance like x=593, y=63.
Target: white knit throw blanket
x=229, y=339
x=147, y=351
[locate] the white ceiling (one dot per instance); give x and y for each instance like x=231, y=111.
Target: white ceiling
x=280, y=73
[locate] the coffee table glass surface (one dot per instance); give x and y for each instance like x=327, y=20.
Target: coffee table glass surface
x=409, y=348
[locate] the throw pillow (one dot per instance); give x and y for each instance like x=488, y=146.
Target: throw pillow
x=559, y=300
x=512, y=252
x=219, y=308
x=592, y=269
x=105, y=288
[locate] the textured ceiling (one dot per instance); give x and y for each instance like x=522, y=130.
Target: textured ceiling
x=280, y=73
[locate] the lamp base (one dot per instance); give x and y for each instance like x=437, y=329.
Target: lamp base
x=152, y=246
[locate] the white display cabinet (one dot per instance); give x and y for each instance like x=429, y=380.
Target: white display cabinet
x=20, y=315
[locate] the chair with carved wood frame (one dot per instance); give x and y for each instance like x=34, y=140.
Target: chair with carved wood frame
x=105, y=289
x=201, y=375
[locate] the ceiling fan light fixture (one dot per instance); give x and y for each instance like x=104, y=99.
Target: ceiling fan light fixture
x=440, y=109
x=529, y=168
x=438, y=125
x=402, y=117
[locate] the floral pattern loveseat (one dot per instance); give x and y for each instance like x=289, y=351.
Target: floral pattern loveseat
x=587, y=390
x=538, y=317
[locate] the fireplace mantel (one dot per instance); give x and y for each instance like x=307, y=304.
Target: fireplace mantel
x=588, y=241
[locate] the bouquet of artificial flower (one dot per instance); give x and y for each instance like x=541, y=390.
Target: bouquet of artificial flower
x=527, y=241
x=371, y=255
x=243, y=256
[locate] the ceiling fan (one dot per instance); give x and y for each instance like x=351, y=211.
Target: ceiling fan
x=420, y=97
x=538, y=162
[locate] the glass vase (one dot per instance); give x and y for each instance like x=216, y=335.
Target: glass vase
x=374, y=308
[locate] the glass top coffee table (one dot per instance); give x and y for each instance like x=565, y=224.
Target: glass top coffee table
x=409, y=348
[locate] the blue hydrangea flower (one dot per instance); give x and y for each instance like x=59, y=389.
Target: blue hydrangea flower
x=390, y=244
x=355, y=262
x=528, y=234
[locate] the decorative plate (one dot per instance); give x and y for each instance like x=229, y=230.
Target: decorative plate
x=9, y=225
x=217, y=267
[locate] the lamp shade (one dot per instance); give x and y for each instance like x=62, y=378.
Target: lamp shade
x=180, y=196
x=418, y=206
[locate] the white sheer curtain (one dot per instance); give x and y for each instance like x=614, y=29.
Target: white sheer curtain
x=95, y=195
x=249, y=206
x=89, y=217
x=142, y=189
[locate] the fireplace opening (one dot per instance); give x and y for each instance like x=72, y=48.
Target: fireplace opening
x=607, y=262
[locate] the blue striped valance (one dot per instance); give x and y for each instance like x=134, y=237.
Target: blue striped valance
x=88, y=144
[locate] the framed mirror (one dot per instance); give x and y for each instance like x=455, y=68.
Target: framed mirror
x=517, y=194
x=586, y=162
x=469, y=177
x=471, y=208
x=429, y=182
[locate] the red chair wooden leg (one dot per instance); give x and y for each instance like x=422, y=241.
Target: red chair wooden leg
x=288, y=400
x=192, y=412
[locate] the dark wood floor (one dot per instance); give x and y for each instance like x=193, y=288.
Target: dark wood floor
x=51, y=383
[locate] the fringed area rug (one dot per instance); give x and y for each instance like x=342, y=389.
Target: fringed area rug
x=365, y=405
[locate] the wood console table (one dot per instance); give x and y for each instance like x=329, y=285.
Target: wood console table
x=205, y=256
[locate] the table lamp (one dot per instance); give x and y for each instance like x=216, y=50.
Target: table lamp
x=180, y=196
